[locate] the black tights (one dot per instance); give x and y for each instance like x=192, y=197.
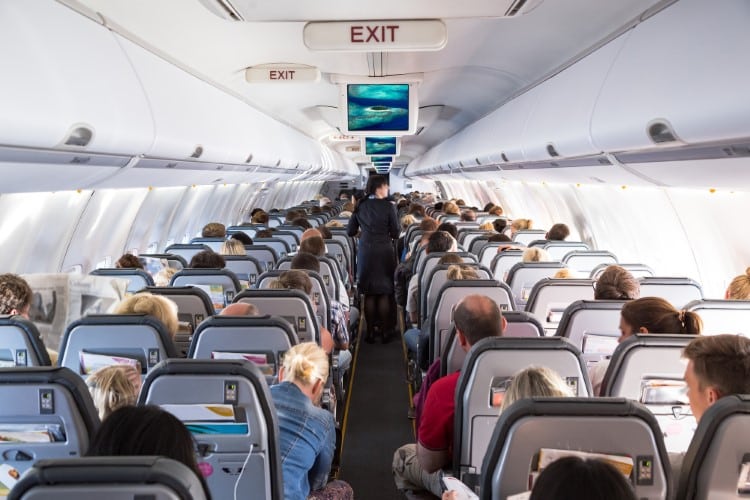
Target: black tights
x=380, y=313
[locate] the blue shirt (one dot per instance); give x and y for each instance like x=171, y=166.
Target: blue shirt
x=307, y=441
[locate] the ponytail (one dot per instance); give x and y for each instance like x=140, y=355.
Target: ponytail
x=305, y=363
x=691, y=322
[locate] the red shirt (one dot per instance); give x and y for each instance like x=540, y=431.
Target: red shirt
x=436, y=425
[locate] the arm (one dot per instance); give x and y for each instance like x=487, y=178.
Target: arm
x=318, y=475
x=393, y=228
x=326, y=340
x=353, y=227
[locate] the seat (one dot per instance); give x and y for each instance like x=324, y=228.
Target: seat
x=221, y=285
x=488, y=252
x=637, y=270
x=101, y=340
x=248, y=229
x=290, y=237
x=114, y=478
x=424, y=268
x=524, y=275
x=583, y=261
x=522, y=324
x=489, y=366
x=526, y=236
x=137, y=278
x=722, y=316
x=677, y=291
x=320, y=297
x=502, y=263
x=292, y=305
x=477, y=242
x=47, y=413
x=279, y=245
x=213, y=243
x=242, y=450
x=435, y=281
x=550, y=297
x=21, y=343
x=649, y=368
x=718, y=453
x=263, y=254
x=186, y=250
x=262, y=340
x=592, y=326
x=559, y=249
x=173, y=260
x=327, y=273
x=193, y=306
x=340, y=252
x=611, y=426
x=247, y=269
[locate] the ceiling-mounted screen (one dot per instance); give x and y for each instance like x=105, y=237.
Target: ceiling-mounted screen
x=381, y=159
x=381, y=146
x=379, y=108
x=382, y=164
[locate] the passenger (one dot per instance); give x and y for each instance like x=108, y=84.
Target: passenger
x=301, y=222
x=112, y=387
x=535, y=382
x=648, y=315
x=500, y=225
x=739, y=288
x=406, y=221
x=164, y=276
x=265, y=233
x=417, y=466
x=240, y=309
x=486, y=226
x=314, y=245
x=616, y=283
x=214, y=230
x=260, y=217
x=376, y=220
x=428, y=224
x=157, y=306
x=310, y=233
x=449, y=228
x=557, y=232
x=145, y=431
x=325, y=233
x=233, y=247
x=460, y=202
x=207, y=259
x=564, y=274
x=488, y=207
x=535, y=254
x=307, y=433
x=575, y=478
x=242, y=238
x=496, y=210
x=520, y=225
x=451, y=208
x=129, y=261
x=468, y=215
x=417, y=211
x=501, y=238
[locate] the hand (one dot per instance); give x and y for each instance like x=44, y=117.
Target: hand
x=450, y=495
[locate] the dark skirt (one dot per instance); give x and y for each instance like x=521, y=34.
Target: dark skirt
x=376, y=264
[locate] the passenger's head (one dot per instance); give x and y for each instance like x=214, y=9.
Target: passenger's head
x=520, y=225
x=500, y=238
x=377, y=185
x=310, y=233
x=535, y=254
x=428, y=224
x=468, y=215
x=499, y=225
x=242, y=238
x=112, y=387
x=294, y=280
x=450, y=258
x=656, y=315
x=477, y=317
x=718, y=366
x=260, y=217
x=325, y=233
x=416, y=210
x=233, y=247
x=164, y=276
x=407, y=220
x=575, y=478
x=439, y=206
x=214, y=230
x=448, y=228
x=496, y=210
x=616, y=283
x=306, y=365
x=459, y=272
x=486, y=226
x=536, y=382
x=240, y=309
x=314, y=245
x=307, y=261
x=558, y=232
x=144, y=431
x=264, y=233
x=129, y=261
x=207, y=259
x=157, y=306
x=739, y=288
x=301, y=222
x=564, y=273
x=450, y=208
x=293, y=214
x=440, y=241
x=15, y=295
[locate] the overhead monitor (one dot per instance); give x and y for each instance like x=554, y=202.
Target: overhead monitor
x=379, y=108
x=382, y=164
x=381, y=159
x=385, y=145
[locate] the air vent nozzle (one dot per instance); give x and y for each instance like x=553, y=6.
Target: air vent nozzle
x=79, y=136
x=197, y=153
x=552, y=151
x=660, y=132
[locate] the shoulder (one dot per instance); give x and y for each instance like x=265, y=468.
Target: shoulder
x=444, y=386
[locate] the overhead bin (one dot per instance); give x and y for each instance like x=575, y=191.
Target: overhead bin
x=65, y=77
x=693, y=80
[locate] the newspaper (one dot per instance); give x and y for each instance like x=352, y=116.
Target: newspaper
x=59, y=299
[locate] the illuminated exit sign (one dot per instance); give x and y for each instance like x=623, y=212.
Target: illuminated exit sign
x=376, y=36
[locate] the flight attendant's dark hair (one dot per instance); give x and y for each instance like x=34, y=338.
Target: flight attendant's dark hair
x=375, y=182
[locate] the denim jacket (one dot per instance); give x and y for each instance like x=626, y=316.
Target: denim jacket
x=307, y=441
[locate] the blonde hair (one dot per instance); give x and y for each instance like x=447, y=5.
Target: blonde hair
x=535, y=254
x=458, y=272
x=157, y=306
x=305, y=363
x=164, y=277
x=564, y=273
x=486, y=226
x=739, y=288
x=111, y=389
x=407, y=220
x=521, y=224
x=450, y=208
x=232, y=247
x=535, y=382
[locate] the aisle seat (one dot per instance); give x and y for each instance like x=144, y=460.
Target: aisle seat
x=676, y=291
x=21, y=343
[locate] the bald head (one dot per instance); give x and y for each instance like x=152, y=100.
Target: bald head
x=477, y=317
x=240, y=309
x=310, y=233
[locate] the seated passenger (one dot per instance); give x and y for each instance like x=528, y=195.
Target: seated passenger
x=648, y=315
x=417, y=466
x=500, y=225
x=301, y=222
x=739, y=288
x=232, y=246
x=495, y=210
x=145, y=431
x=307, y=433
x=557, y=232
x=520, y=225
x=214, y=230
x=128, y=261
x=259, y=217
x=535, y=254
x=449, y=228
x=112, y=387
x=535, y=382
x=451, y=208
x=157, y=306
x=164, y=276
x=616, y=283
x=240, y=309
x=575, y=478
x=468, y=215
x=207, y=259
x=486, y=226
x=242, y=238
x=564, y=274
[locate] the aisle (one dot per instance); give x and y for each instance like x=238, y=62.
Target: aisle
x=376, y=424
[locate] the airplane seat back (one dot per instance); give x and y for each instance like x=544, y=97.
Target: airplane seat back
x=248, y=229
x=487, y=371
x=522, y=324
x=186, y=250
x=174, y=261
x=91, y=478
x=637, y=270
x=611, y=426
x=212, y=243
x=21, y=343
x=488, y=252
x=584, y=261
x=439, y=277
x=340, y=252
x=320, y=297
x=717, y=461
x=291, y=305
x=137, y=278
x=240, y=445
x=592, y=326
x=49, y=410
x=476, y=242
x=327, y=274
x=722, y=316
x=246, y=268
x=550, y=297
x=291, y=239
x=264, y=254
x=526, y=236
x=524, y=275
x=221, y=285
x=676, y=291
x=559, y=249
x=279, y=245
x=106, y=339
x=503, y=261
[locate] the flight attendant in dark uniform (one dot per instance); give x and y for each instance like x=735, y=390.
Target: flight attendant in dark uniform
x=376, y=219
